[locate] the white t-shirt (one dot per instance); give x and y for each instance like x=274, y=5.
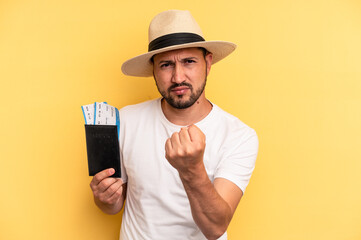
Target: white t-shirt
x=156, y=204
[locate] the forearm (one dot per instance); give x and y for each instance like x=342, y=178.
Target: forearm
x=210, y=211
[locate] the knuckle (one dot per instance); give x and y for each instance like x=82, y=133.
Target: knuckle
x=118, y=193
x=112, y=189
x=97, y=178
x=96, y=194
x=175, y=135
x=188, y=150
x=199, y=146
x=102, y=198
x=111, y=200
x=170, y=156
x=181, y=153
x=101, y=185
x=105, y=183
x=197, y=149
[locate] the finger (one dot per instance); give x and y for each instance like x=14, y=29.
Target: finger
x=105, y=184
x=168, y=145
x=175, y=140
x=184, y=136
x=117, y=191
x=115, y=197
x=195, y=134
x=113, y=188
x=102, y=175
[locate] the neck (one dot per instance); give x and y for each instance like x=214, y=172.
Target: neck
x=188, y=116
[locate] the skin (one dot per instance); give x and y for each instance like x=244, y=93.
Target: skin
x=212, y=204
x=183, y=66
x=109, y=193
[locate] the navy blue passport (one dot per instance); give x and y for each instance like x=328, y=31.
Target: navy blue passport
x=102, y=148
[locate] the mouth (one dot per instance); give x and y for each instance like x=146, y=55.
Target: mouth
x=179, y=90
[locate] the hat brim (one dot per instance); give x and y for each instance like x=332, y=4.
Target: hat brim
x=141, y=66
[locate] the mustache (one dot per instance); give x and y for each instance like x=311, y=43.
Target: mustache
x=175, y=85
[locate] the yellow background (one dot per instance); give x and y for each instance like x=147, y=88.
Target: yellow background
x=295, y=78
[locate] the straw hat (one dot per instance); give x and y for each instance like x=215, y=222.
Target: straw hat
x=171, y=30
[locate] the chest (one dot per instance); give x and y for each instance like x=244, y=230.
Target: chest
x=144, y=158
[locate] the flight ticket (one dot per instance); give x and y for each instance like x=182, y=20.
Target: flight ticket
x=100, y=113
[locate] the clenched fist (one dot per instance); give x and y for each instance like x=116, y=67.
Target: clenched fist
x=184, y=149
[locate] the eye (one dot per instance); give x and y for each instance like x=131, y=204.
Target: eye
x=190, y=61
x=165, y=65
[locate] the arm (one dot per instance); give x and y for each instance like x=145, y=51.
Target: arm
x=109, y=193
x=212, y=205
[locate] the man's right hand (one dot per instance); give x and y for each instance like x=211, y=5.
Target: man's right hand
x=109, y=193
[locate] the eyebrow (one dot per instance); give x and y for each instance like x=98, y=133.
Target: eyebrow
x=189, y=58
x=182, y=60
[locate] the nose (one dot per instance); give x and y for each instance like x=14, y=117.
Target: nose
x=178, y=73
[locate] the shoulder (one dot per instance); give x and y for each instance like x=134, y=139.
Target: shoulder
x=139, y=106
x=232, y=124
x=139, y=109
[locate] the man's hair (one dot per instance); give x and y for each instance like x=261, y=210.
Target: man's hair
x=204, y=51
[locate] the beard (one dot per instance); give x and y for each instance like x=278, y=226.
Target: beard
x=178, y=101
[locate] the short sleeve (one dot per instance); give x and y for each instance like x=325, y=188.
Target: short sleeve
x=239, y=159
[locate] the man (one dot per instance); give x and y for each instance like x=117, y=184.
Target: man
x=186, y=162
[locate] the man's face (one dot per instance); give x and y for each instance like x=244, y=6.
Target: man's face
x=181, y=75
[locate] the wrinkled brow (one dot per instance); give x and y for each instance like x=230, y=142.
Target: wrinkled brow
x=182, y=60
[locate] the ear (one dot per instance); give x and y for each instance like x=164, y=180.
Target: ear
x=209, y=59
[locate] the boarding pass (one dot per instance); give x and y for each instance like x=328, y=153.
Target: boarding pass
x=100, y=113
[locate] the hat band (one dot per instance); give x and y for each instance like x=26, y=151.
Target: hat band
x=173, y=39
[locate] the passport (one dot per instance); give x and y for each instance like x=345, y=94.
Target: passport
x=102, y=149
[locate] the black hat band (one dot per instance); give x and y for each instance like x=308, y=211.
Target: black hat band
x=174, y=39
